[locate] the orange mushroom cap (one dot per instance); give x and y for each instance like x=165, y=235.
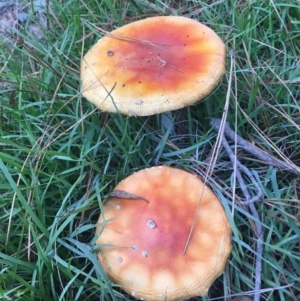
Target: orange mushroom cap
x=142, y=241
x=154, y=65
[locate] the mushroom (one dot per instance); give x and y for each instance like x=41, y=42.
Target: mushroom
x=153, y=65
x=145, y=225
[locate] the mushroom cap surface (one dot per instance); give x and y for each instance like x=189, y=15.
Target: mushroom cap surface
x=153, y=65
x=142, y=241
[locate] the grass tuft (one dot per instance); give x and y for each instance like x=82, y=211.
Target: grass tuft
x=60, y=157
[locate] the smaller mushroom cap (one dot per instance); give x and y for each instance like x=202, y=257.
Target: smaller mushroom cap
x=143, y=231
x=153, y=65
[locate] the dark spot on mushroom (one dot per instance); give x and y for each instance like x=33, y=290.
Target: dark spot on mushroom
x=123, y=85
x=151, y=224
x=110, y=53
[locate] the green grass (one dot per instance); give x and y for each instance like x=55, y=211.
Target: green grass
x=60, y=157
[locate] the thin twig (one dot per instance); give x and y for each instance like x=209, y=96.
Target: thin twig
x=252, y=149
x=240, y=168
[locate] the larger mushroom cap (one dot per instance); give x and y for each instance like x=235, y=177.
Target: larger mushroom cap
x=152, y=66
x=142, y=240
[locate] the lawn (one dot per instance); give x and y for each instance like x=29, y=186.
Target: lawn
x=60, y=156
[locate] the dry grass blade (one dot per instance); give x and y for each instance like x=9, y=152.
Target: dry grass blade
x=216, y=149
x=129, y=39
